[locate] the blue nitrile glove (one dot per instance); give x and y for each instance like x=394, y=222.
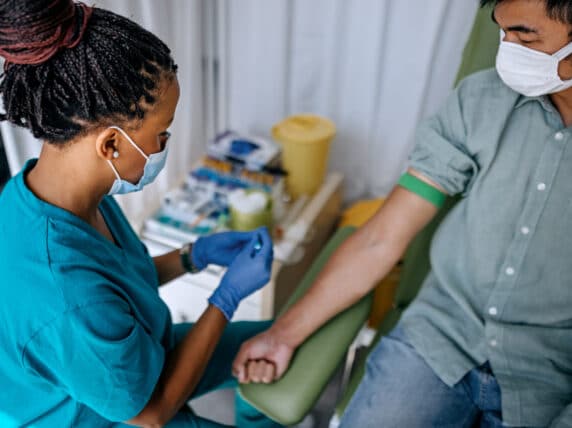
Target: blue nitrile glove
x=248, y=272
x=219, y=248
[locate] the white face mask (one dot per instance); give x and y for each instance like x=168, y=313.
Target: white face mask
x=530, y=72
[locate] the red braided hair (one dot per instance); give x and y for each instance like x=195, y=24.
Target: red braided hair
x=35, y=40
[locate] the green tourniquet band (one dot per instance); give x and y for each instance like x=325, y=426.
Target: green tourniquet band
x=426, y=191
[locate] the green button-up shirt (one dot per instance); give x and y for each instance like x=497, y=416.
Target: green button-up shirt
x=500, y=288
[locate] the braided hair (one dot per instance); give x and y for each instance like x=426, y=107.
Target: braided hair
x=70, y=68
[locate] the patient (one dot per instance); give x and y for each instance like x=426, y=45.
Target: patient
x=489, y=339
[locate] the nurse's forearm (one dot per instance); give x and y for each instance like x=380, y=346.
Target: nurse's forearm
x=184, y=367
x=168, y=266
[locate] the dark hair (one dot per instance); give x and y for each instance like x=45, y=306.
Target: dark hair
x=559, y=10
x=70, y=68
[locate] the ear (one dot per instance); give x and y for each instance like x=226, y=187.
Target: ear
x=107, y=143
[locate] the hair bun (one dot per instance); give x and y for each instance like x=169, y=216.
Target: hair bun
x=33, y=31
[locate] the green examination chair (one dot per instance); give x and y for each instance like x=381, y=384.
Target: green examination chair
x=289, y=399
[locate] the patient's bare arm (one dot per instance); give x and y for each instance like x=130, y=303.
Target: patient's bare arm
x=352, y=271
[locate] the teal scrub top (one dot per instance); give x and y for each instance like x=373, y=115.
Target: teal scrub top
x=83, y=332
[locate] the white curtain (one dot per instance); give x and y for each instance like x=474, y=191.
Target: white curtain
x=376, y=67
x=179, y=24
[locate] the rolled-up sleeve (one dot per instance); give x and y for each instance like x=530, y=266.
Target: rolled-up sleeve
x=101, y=356
x=440, y=151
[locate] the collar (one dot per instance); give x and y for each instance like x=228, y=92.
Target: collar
x=542, y=99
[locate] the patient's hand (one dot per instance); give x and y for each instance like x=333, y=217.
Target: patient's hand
x=264, y=358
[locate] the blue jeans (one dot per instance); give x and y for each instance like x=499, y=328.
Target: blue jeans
x=218, y=375
x=400, y=390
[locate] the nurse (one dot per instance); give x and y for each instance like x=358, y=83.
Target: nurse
x=85, y=340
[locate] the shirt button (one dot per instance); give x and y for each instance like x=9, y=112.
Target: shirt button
x=559, y=136
x=493, y=343
x=493, y=311
x=541, y=186
x=509, y=271
x=525, y=230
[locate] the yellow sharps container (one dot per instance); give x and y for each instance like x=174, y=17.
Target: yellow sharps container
x=305, y=140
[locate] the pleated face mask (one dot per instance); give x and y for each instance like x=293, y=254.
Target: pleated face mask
x=531, y=72
x=154, y=163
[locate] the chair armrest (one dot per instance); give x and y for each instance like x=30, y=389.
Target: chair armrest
x=290, y=398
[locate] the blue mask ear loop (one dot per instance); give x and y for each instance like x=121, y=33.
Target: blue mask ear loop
x=130, y=140
x=113, y=169
x=132, y=143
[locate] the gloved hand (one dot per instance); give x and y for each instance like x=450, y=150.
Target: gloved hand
x=220, y=248
x=248, y=272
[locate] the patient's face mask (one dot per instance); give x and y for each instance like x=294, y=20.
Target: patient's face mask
x=153, y=165
x=530, y=72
